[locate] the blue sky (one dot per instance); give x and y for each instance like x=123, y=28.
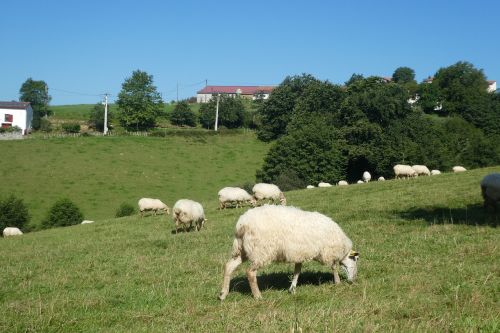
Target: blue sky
x=85, y=48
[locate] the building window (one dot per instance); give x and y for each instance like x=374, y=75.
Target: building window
x=9, y=118
x=4, y=125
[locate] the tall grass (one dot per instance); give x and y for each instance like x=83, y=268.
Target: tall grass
x=429, y=262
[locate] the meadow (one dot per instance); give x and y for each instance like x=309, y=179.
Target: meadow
x=99, y=173
x=429, y=262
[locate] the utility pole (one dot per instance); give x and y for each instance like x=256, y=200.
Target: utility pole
x=206, y=83
x=217, y=113
x=177, y=91
x=105, y=114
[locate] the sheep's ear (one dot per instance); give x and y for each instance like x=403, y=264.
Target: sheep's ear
x=354, y=253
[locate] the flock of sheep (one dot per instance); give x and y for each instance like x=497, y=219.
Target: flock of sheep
x=276, y=233
x=400, y=171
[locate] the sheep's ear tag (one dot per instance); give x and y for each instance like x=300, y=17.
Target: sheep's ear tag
x=354, y=254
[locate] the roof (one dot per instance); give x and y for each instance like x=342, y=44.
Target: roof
x=14, y=105
x=243, y=90
x=491, y=81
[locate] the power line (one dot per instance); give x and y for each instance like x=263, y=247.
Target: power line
x=75, y=93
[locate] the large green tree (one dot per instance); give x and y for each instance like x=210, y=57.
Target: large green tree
x=276, y=112
x=403, y=75
x=139, y=103
x=231, y=112
x=37, y=93
x=182, y=115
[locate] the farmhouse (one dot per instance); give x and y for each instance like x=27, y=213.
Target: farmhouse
x=250, y=92
x=18, y=114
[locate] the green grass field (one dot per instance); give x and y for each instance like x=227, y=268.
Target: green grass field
x=429, y=260
x=99, y=173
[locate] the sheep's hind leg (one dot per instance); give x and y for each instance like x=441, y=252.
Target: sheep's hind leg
x=229, y=268
x=298, y=267
x=252, y=280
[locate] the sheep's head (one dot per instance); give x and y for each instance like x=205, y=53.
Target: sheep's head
x=253, y=202
x=166, y=209
x=282, y=199
x=350, y=264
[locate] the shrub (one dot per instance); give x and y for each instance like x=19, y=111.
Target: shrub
x=182, y=115
x=13, y=213
x=71, y=127
x=44, y=125
x=125, y=209
x=13, y=129
x=63, y=213
x=289, y=180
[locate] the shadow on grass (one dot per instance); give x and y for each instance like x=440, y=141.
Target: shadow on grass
x=279, y=281
x=469, y=215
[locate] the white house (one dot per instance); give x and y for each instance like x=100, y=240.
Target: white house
x=250, y=92
x=18, y=114
x=492, y=86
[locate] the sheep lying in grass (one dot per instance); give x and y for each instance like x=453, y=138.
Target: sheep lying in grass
x=403, y=171
x=155, y=205
x=342, y=183
x=270, y=192
x=490, y=188
x=459, y=168
x=360, y=182
x=309, y=187
x=287, y=234
x=11, y=231
x=87, y=222
x=421, y=170
x=188, y=212
x=381, y=179
x=323, y=184
x=366, y=176
x=435, y=172
x=234, y=195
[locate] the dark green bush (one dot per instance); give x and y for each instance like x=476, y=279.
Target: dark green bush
x=63, y=213
x=125, y=209
x=289, y=180
x=71, y=127
x=182, y=115
x=13, y=213
x=44, y=125
x=13, y=129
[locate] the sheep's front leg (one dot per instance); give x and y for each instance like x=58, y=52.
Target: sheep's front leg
x=252, y=280
x=229, y=268
x=296, y=272
x=336, y=277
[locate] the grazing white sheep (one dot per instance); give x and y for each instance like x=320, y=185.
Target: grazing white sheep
x=360, y=182
x=188, y=212
x=459, y=168
x=271, y=192
x=310, y=186
x=342, y=183
x=287, y=234
x=234, y=195
x=366, y=176
x=155, y=205
x=12, y=231
x=435, y=172
x=403, y=171
x=87, y=222
x=381, y=179
x=323, y=184
x=421, y=170
x=490, y=188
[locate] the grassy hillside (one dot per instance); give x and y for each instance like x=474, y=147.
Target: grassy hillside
x=429, y=262
x=99, y=173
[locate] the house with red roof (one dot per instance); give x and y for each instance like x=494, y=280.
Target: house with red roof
x=18, y=114
x=250, y=92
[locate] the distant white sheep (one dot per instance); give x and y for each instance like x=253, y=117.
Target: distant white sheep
x=435, y=172
x=310, y=187
x=287, y=234
x=146, y=204
x=381, y=179
x=12, y=231
x=342, y=183
x=188, y=212
x=459, y=168
x=234, y=195
x=87, y=222
x=270, y=192
x=421, y=170
x=323, y=184
x=490, y=188
x=403, y=171
x=366, y=176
